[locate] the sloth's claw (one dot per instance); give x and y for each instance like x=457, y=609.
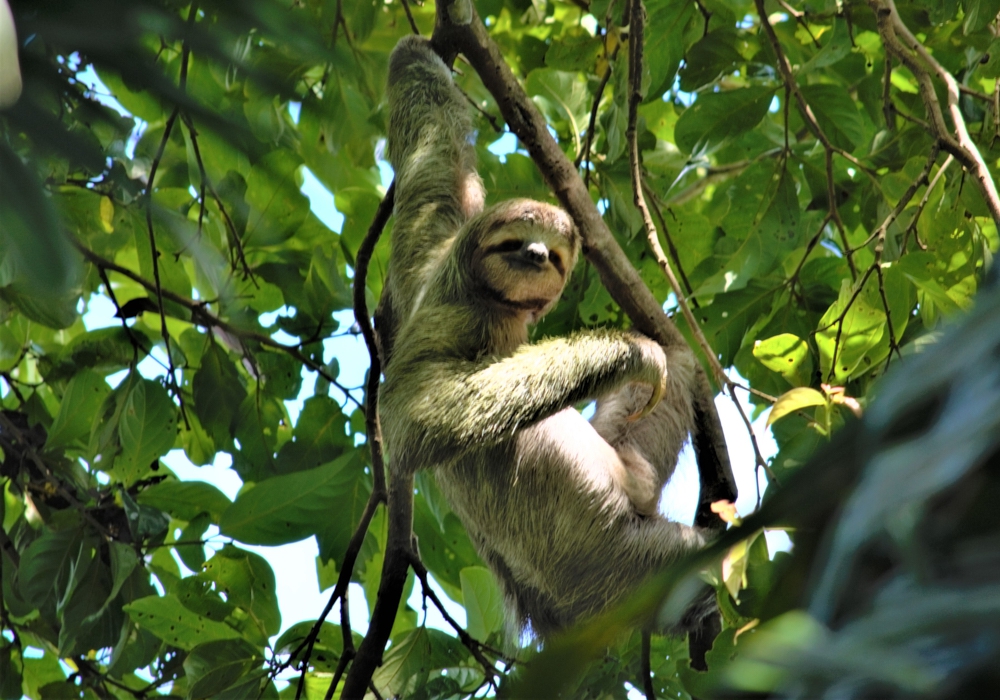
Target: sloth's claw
x=654, y=399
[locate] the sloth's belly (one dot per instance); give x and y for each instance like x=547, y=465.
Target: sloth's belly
x=535, y=499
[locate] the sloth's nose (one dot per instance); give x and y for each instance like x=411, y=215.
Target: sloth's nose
x=536, y=253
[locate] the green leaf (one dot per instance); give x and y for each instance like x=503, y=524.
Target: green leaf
x=193, y=555
x=214, y=666
x=247, y=580
x=277, y=207
x=786, y=354
x=445, y=550
x=413, y=657
x=561, y=95
x=667, y=23
x=320, y=436
x=711, y=55
x=836, y=47
x=147, y=430
x=185, y=499
x=45, y=564
x=83, y=398
x=775, y=228
x=979, y=13
x=576, y=51
x=483, y=602
x=849, y=329
x=716, y=117
x=837, y=114
x=794, y=400
x=286, y=508
x=218, y=393
x=169, y=620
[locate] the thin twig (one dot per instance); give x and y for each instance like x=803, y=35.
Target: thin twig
x=474, y=646
x=409, y=17
x=674, y=254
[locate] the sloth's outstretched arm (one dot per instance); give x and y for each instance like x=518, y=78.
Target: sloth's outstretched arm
x=460, y=404
x=437, y=188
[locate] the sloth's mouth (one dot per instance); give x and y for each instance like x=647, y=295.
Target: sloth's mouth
x=520, y=263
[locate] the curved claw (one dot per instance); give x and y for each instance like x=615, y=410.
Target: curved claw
x=658, y=391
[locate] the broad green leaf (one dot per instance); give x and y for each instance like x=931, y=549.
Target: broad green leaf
x=795, y=400
x=334, y=534
x=169, y=620
x=46, y=563
x=277, y=207
x=979, y=13
x=319, y=436
x=922, y=269
x=483, y=602
x=719, y=116
x=147, y=430
x=214, y=666
x=577, y=50
x=775, y=229
x=666, y=27
x=123, y=563
x=786, y=354
x=837, y=114
x=836, y=46
x=247, y=580
x=218, y=393
x=415, y=657
x=81, y=401
x=849, y=329
x=144, y=522
x=736, y=563
x=562, y=95
x=185, y=499
x=446, y=550
x=711, y=55
x=286, y=508
x=193, y=555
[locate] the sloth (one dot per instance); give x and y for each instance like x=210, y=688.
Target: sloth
x=562, y=510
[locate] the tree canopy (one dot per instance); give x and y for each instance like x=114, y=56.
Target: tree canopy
x=817, y=178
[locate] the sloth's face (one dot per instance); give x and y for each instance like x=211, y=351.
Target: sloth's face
x=525, y=257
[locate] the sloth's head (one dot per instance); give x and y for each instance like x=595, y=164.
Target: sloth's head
x=519, y=256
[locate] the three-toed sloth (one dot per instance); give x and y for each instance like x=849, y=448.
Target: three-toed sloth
x=564, y=511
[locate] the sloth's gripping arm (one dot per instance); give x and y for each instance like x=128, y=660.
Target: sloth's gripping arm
x=460, y=404
x=437, y=188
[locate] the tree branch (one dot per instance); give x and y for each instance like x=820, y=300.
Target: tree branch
x=900, y=41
